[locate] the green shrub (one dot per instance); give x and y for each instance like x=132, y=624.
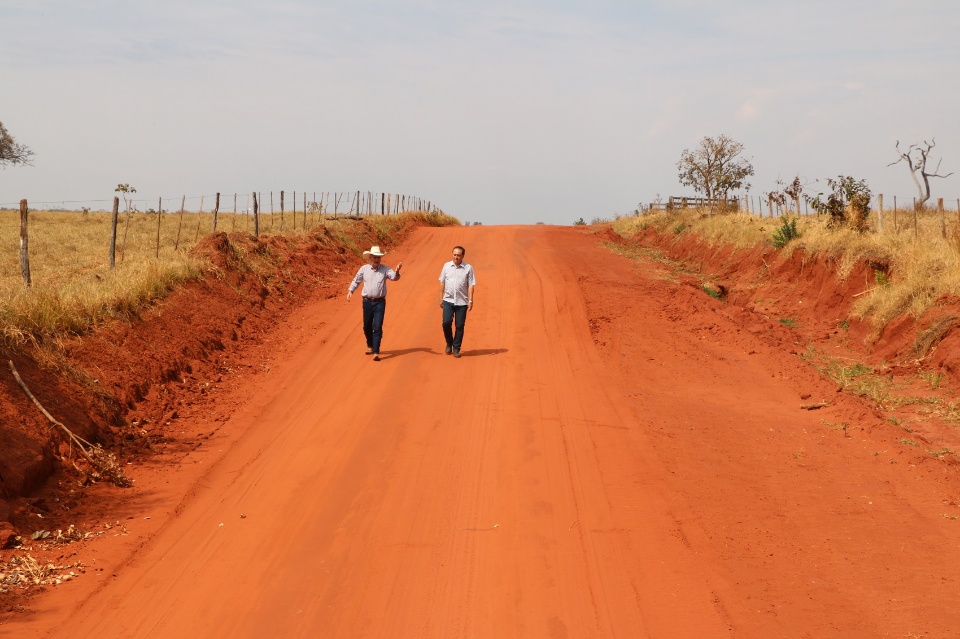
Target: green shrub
x=787, y=231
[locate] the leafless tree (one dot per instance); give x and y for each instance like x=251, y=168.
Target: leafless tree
x=11, y=152
x=916, y=158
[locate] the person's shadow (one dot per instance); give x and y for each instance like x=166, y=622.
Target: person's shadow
x=403, y=351
x=483, y=351
x=471, y=353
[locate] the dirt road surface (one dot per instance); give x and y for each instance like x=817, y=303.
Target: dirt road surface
x=615, y=455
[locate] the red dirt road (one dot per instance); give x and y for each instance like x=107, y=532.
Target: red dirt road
x=616, y=455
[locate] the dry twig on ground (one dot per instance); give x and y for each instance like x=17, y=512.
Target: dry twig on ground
x=104, y=464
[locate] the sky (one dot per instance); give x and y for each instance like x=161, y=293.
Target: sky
x=496, y=112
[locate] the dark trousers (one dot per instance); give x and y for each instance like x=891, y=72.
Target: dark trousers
x=373, y=311
x=451, y=312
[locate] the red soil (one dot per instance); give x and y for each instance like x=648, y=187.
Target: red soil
x=616, y=454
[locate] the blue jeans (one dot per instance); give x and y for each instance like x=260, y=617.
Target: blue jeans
x=373, y=311
x=451, y=312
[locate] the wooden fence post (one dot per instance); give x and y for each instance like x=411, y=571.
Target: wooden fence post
x=113, y=232
x=294, y=210
x=159, y=217
x=24, y=242
x=216, y=210
x=199, y=218
x=183, y=203
x=256, y=216
x=305, y=208
x=880, y=212
x=282, y=206
x=126, y=228
x=943, y=218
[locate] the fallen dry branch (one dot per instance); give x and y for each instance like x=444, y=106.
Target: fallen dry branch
x=815, y=406
x=105, y=464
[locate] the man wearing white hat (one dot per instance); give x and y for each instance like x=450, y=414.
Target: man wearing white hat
x=373, y=275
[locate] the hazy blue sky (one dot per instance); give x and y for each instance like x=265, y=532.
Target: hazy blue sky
x=499, y=112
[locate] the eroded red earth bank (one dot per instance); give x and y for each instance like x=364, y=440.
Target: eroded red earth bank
x=691, y=443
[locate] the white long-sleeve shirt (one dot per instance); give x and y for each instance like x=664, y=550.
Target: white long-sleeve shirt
x=374, y=280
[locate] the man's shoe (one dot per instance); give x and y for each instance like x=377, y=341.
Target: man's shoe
x=456, y=353
x=369, y=351
x=376, y=358
x=448, y=350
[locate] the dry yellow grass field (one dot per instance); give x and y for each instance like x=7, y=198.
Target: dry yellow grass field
x=923, y=265
x=73, y=286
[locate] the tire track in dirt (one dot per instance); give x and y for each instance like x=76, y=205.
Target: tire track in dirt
x=543, y=485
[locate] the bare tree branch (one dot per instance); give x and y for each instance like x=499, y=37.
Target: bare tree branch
x=12, y=152
x=916, y=158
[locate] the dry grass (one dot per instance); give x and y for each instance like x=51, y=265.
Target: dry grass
x=914, y=268
x=73, y=285
x=74, y=288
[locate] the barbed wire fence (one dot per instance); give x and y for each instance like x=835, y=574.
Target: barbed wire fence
x=334, y=202
x=894, y=214
x=129, y=217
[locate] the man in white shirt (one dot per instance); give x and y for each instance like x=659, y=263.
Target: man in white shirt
x=457, y=283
